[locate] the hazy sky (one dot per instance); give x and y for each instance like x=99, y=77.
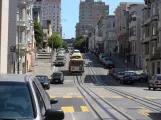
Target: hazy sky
x=70, y=14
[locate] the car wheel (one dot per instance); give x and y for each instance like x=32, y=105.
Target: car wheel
x=48, y=87
x=154, y=88
x=141, y=80
x=149, y=87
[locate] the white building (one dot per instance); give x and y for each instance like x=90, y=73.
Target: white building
x=20, y=35
x=51, y=10
x=135, y=12
x=4, y=10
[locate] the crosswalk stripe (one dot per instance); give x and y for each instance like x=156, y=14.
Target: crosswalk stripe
x=84, y=109
x=67, y=96
x=67, y=109
x=116, y=97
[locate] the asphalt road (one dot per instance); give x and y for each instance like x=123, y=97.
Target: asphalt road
x=74, y=105
x=138, y=111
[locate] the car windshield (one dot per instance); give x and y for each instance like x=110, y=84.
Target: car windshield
x=42, y=78
x=76, y=52
x=158, y=77
x=57, y=74
x=15, y=101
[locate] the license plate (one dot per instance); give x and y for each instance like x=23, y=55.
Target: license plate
x=56, y=80
x=73, y=68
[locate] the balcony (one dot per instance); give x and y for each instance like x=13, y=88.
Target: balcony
x=146, y=16
x=21, y=23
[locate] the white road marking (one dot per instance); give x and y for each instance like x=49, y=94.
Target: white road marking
x=72, y=116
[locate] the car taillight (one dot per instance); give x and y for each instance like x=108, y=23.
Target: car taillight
x=156, y=82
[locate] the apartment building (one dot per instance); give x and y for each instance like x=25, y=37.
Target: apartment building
x=122, y=27
x=151, y=38
x=135, y=31
x=20, y=36
x=51, y=10
x=110, y=41
x=89, y=14
x=4, y=10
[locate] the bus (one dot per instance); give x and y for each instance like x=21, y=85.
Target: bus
x=76, y=63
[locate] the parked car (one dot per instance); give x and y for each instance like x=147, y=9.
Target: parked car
x=44, y=80
x=23, y=97
x=109, y=64
x=57, y=77
x=112, y=71
x=155, y=82
x=143, y=77
x=101, y=58
x=105, y=59
x=129, y=77
x=119, y=75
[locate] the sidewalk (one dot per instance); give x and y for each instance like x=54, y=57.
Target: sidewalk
x=120, y=62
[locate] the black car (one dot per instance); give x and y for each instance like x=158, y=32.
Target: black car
x=23, y=98
x=57, y=77
x=109, y=64
x=44, y=81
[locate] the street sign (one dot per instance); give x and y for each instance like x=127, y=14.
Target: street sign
x=13, y=49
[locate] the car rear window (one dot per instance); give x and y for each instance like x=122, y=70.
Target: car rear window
x=57, y=74
x=42, y=78
x=15, y=101
x=158, y=77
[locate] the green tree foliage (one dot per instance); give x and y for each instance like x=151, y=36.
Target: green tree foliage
x=38, y=33
x=55, y=41
x=80, y=43
x=64, y=45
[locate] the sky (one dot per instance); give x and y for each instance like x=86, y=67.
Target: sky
x=70, y=14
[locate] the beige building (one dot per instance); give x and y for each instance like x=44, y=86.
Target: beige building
x=151, y=38
x=89, y=14
x=4, y=10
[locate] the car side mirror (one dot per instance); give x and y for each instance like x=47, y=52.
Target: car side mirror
x=54, y=114
x=53, y=101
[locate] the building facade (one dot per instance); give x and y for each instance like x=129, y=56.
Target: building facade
x=110, y=41
x=89, y=14
x=4, y=10
x=21, y=36
x=135, y=31
x=151, y=38
x=51, y=10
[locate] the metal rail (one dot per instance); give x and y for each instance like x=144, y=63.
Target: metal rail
x=154, y=106
x=84, y=87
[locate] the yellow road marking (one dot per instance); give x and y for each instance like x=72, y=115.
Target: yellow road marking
x=52, y=96
x=129, y=97
x=102, y=96
x=149, y=97
x=79, y=97
x=144, y=112
x=116, y=97
x=84, y=109
x=67, y=96
x=122, y=109
x=67, y=109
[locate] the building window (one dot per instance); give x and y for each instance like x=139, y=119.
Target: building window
x=133, y=31
x=154, y=29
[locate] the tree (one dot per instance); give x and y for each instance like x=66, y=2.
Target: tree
x=55, y=41
x=80, y=43
x=38, y=33
x=64, y=45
